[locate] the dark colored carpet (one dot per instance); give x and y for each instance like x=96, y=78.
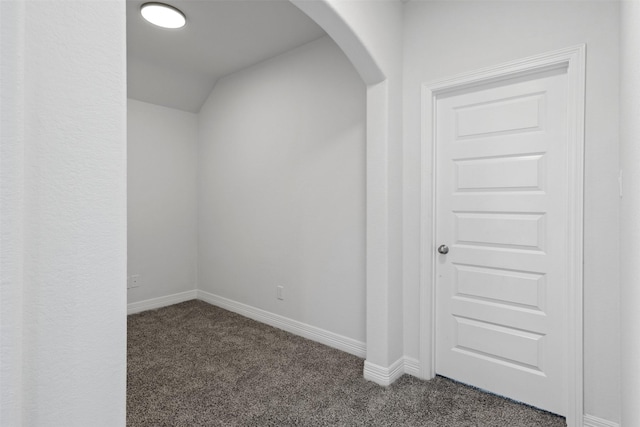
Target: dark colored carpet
x=193, y=364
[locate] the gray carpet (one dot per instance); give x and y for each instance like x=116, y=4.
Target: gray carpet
x=193, y=364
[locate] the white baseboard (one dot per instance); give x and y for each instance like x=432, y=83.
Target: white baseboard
x=340, y=342
x=381, y=375
x=591, y=421
x=412, y=366
x=150, y=304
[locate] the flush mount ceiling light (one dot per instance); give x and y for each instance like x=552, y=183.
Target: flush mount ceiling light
x=163, y=15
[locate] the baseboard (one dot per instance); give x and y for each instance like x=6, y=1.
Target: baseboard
x=412, y=366
x=591, y=421
x=150, y=304
x=381, y=375
x=340, y=342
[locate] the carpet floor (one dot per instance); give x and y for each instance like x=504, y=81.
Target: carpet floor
x=194, y=364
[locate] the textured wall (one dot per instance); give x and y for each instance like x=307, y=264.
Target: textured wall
x=11, y=210
x=282, y=189
x=630, y=211
x=162, y=201
x=445, y=38
x=70, y=157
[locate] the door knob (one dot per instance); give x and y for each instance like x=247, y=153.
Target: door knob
x=443, y=249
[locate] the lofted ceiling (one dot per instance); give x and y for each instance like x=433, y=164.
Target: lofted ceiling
x=178, y=68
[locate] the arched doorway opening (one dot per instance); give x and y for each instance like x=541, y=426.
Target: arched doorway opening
x=377, y=222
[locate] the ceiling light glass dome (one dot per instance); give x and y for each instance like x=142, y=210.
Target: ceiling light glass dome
x=163, y=15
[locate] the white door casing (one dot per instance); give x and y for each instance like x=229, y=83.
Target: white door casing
x=503, y=309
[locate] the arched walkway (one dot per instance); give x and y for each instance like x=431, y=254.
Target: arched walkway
x=381, y=366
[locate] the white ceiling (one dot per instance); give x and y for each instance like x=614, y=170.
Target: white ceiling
x=178, y=68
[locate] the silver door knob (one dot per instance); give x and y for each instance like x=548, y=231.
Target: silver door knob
x=443, y=249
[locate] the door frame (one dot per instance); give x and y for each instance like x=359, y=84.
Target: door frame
x=573, y=60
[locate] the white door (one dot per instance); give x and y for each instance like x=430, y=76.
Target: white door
x=502, y=211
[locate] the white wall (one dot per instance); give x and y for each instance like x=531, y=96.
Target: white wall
x=11, y=211
x=445, y=38
x=282, y=189
x=63, y=210
x=630, y=211
x=162, y=200
x=370, y=34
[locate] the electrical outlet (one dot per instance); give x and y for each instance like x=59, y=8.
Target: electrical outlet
x=133, y=281
x=280, y=292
